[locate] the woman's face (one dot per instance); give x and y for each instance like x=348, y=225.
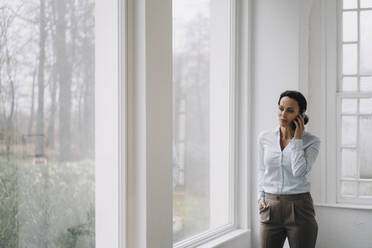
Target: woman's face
x=288, y=110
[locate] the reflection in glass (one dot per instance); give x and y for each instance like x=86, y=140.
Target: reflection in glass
x=349, y=59
x=348, y=188
x=349, y=163
x=349, y=105
x=349, y=84
x=365, y=147
x=348, y=130
x=366, y=42
x=350, y=26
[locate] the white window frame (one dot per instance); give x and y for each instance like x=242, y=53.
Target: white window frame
x=149, y=93
x=351, y=95
x=330, y=78
x=217, y=71
x=110, y=123
x=110, y=164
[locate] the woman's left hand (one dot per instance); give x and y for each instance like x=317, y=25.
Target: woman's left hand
x=300, y=127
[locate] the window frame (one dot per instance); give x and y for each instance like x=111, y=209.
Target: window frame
x=142, y=228
x=350, y=95
x=203, y=237
x=331, y=78
x=111, y=147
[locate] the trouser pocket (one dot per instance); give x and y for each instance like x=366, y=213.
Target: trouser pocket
x=265, y=214
x=278, y=212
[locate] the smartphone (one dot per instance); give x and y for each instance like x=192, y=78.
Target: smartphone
x=293, y=125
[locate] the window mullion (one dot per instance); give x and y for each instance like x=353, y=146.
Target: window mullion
x=358, y=117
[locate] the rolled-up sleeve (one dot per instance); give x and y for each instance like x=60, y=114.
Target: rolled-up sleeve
x=261, y=169
x=302, y=159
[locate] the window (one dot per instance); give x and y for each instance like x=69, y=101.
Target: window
x=59, y=140
x=203, y=111
x=47, y=123
x=354, y=101
x=196, y=109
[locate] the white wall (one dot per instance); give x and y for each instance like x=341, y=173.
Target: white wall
x=277, y=57
x=275, y=69
x=343, y=228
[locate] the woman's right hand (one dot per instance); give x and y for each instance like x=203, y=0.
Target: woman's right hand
x=262, y=203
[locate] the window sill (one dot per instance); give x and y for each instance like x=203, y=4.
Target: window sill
x=225, y=238
x=343, y=205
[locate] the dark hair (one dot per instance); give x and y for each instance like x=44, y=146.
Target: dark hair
x=301, y=100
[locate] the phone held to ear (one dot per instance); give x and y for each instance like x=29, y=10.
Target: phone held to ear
x=293, y=125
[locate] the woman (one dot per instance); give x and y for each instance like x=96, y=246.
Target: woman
x=286, y=156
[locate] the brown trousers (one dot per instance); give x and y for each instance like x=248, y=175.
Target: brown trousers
x=291, y=216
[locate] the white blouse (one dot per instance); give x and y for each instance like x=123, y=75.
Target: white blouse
x=284, y=172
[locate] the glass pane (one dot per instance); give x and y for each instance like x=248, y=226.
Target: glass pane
x=365, y=146
x=201, y=111
x=366, y=3
x=349, y=84
x=365, y=189
x=366, y=42
x=349, y=59
x=348, y=188
x=366, y=83
x=349, y=163
x=350, y=4
x=349, y=130
x=349, y=105
x=350, y=26
x=365, y=106
x=47, y=127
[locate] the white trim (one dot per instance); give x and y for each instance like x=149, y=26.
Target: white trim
x=240, y=76
x=149, y=123
x=204, y=238
x=122, y=95
x=356, y=95
x=109, y=119
x=324, y=111
x=233, y=215
x=339, y=37
x=331, y=24
x=338, y=151
x=330, y=18
x=244, y=21
x=142, y=213
x=343, y=205
x=224, y=239
x=222, y=111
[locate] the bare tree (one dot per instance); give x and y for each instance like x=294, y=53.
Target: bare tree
x=88, y=81
x=10, y=131
x=32, y=107
x=64, y=77
x=40, y=106
x=7, y=84
x=54, y=79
